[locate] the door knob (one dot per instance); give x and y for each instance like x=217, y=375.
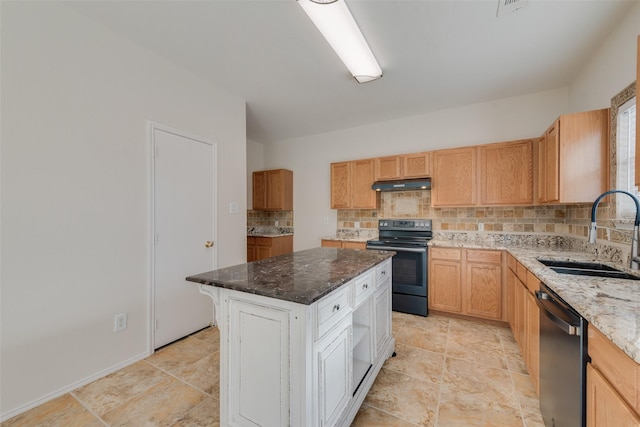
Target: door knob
x=208, y=244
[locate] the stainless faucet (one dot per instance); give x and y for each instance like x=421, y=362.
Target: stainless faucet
x=635, y=259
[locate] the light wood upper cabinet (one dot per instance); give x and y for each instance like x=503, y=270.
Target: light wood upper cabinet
x=506, y=173
x=573, y=158
x=388, y=168
x=485, y=175
x=341, y=185
x=454, y=177
x=351, y=185
x=362, y=196
x=273, y=190
x=548, y=166
x=416, y=165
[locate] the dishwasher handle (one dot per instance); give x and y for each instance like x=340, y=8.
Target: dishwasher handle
x=566, y=327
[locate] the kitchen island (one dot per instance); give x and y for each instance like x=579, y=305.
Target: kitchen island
x=302, y=335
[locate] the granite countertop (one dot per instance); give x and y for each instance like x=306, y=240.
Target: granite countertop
x=301, y=277
x=611, y=305
x=258, y=234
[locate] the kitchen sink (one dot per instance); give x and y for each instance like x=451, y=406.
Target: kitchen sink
x=587, y=269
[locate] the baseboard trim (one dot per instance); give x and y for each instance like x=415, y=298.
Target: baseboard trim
x=67, y=389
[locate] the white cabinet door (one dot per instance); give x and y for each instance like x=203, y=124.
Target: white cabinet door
x=334, y=374
x=383, y=316
x=259, y=376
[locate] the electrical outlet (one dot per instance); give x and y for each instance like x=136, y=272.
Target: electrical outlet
x=356, y=224
x=277, y=223
x=326, y=220
x=480, y=226
x=120, y=322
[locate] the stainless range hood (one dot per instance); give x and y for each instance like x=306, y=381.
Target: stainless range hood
x=401, y=185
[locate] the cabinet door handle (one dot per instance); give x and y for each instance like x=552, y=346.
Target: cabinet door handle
x=365, y=286
x=336, y=307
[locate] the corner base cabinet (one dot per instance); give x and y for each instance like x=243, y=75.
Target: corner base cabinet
x=290, y=364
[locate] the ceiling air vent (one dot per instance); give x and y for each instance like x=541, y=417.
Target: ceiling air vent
x=507, y=7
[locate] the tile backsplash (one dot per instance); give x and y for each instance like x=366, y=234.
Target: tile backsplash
x=270, y=218
x=570, y=220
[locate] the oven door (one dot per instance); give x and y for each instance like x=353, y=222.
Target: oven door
x=409, y=273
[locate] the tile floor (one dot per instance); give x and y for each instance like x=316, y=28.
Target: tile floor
x=448, y=372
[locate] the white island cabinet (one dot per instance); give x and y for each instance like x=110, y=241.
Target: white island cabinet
x=307, y=363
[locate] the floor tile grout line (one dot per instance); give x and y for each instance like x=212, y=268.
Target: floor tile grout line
x=390, y=413
x=182, y=380
x=91, y=411
x=73, y=393
x=515, y=388
x=444, y=368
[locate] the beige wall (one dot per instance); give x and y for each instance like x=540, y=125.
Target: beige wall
x=610, y=68
x=76, y=193
x=309, y=157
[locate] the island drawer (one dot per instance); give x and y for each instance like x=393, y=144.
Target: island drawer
x=331, y=309
x=383, y=272
x=364, y=286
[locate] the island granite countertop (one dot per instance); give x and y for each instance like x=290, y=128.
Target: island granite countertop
x=302, y=277
x=611, y=305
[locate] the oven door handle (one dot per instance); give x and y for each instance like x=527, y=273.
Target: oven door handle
x=392, y=248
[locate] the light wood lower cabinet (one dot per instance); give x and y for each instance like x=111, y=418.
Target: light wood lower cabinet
x=259, y=247
x=523, y=315
x=483, y=284
x=466, y=281
x=613, y=384
x=344, y=244
x=445, y=279
x=605, y=407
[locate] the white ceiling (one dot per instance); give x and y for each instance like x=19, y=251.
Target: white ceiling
x=434, y=54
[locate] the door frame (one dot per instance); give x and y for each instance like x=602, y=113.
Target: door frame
x=151, y=128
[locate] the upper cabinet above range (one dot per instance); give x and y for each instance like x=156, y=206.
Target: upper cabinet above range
x=414, y=165
x=351, y=181
x=273, y=190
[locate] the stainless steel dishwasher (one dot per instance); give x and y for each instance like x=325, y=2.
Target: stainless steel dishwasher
x=563, y=361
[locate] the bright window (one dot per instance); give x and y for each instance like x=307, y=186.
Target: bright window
x=625, y=147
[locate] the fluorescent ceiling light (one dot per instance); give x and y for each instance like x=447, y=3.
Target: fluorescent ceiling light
x=335, y=22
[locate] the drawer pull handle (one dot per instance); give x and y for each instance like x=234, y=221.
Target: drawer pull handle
x=336, y=307
x=365, y=286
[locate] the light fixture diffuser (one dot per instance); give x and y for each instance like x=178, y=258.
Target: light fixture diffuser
x=334, y=20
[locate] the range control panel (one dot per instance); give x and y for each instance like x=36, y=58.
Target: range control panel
x=405, y=224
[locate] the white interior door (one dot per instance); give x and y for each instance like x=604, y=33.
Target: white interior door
x=183, y=218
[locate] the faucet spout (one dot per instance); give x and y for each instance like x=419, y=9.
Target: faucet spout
x=635, y=257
